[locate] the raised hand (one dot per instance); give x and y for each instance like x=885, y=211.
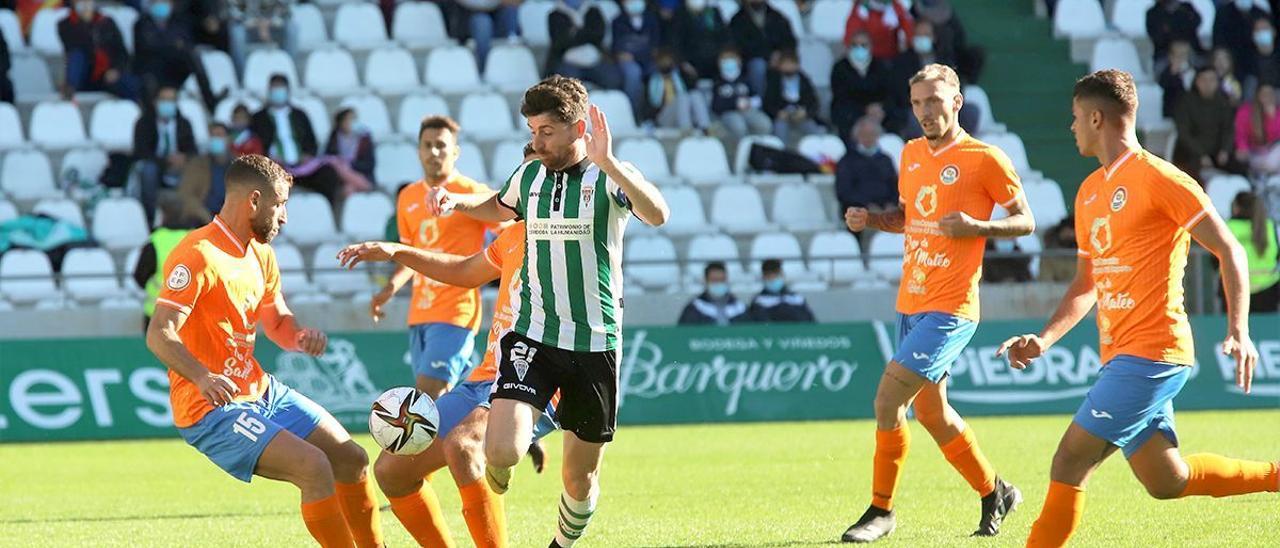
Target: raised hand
x=599, y=141
x=369, y=252
x=1022, y=350
x=439, y=201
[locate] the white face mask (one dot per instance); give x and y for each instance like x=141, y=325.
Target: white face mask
x=634, y=7
x=696, y=5
x=1264, y=38
x=922, y=44
x=1244, y=5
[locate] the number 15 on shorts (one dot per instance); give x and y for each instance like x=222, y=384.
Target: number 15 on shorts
x=248, y=426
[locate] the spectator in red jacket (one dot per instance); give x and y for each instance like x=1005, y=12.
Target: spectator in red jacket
x=887, y=21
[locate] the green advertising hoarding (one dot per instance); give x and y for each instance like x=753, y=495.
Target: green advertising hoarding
x=113, y=388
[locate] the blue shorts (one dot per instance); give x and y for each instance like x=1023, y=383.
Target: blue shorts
x=464, y=398
x=930, y=342
x=1132, y=400
x=235, y=435
x=441, y=351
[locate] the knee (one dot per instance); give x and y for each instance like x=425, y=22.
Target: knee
x=393, y=477
x=349, y=460
x=501, y=455
x=889, y=408
x=580, y=485
x=313, y=470
x=1166, y=487
x=465, y=457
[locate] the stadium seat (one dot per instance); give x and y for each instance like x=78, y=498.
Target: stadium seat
x=886, y=255
x=310, y=220
x=452, y=69
x=799, y=207
x=27, y=175
x=330, y=275
x=784, y=247
x=1030, y=244
x=649, y=157
x=511, y=68
x=413, y=108
x=738, y=209
x=1222, y=190
x=317, y=113
x=83, y=164
x=1150, y=108
x=220, y=69
x=507, y=156
x=43, y=33
x=309, y=22
x=119, y=223
x=420, y=25
x=391, y=70
x=365, y=214
x=533, y=22
x=111, y=124
x=120, y=302
x=193, y=111
x=816, y=60
x=57, y=125
x=1130, y=17
x=30, y=76
x=1078, y=19
x=331, y=72
x=261, y=64
x=293, y=270
x=791, y=11
x=1012, y=146
x=486, y=116
x=1047, y=203
x=26, y=276
x=11, y=31
x=125, y=18
x=705, y=248
x=977, y=97
x=827, y=19
x=821, y=147
x=892, y=145
x=8, y=211
x=359, y=26
x=63, y=209
x=471, y=162
x=1118, y=53
x=617, y=111
x=730, y=7
x=396, y=164
x=10, y=127
x=835, y=256
x=702, y=161
x=742, y=156
x=5, y=306
x=89, y=274
x=651, y=262
x=372, y=112
x=687, y=214
x=222, y=112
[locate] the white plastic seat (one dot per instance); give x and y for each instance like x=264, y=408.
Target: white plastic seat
x=63, y=209
x=648, y=156
x=119, y=223
x=1030, y=244
x=365, y=214
x=111, y=124
x=1078, y=19
x=742, y=156
x=507, y=156
x=511, y=68
x=687, y=213
x=617, y=111
x=835, y=256
x=193, y=111
x=886, y=255
x=331, y=72
x=784, y=247
x=728, y=8
x=262, y=63
x=1047, y=204
x=331, y=277
x=11, y=134
x=702, y=161
x=976, y=96
x=816, y=60
x=533, y=18
x=791, y=11
x=309, y=22
x=471, y=162
x=799, y=207
x=11, y=31
x=452, y=69
x=892, y=145
x=317, y=113
x=413, y=108
x=8, y=211
x=396, y=164
x=120, y=302
x=391, y=70
x=220, y=70
x=1012, y=146
x=1118, y=53
x=821, y=147
x=486, y=116
x=89, y=274
x=738, y=209
x=359, y=26
x=1130, y=17
x=651, y=262
x=27, y=175
x=1222, y=190
x=310, y=220
x=293, y=270
x=827, y=19
x=26, y=276
x=372, y=112
x=30, y=76
x=57, y=125
x=1150, y=108
x=125, y=18
x=419, y=25
x=43, y=33
x=706, y=248
x=87, y=164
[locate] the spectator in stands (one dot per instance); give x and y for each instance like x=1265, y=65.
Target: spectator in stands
x=209, y=29
x=1258, y=130
x=790, y=100
x=672, y=102
x=897, y=111
x=716, y=305
x=948, y=40
x=1011, y=267
x=777, y=303
x=204, y=177
x=6, y=85
x=577, y=29
x=733, y=101
x=286, y=133
x=887, y=21
x=859, y=83
x=1266, y=68
x=636, y=32
x=1058, y=262
x=260, y=21
x=351, y=142
x=761, y=34
x=1228, y=80
x=163, y=46
x=1171, y=21
x=1257, y=234
x=1176, y=77
x=866, y=176
x=1205, y=122
x=162, y=143
x=699, y=34
x=178, y=218
x=243, y=141
x=96, y=58
x=1233, y=30
x=488, y=19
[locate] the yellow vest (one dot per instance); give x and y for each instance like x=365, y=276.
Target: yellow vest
x=1262, y=266
x=163, y=240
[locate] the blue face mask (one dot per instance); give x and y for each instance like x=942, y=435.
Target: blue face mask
x=868, y=151
x=731, y=69
x=166, y=109
x=278, y=96
x=161, y=10
x=860, y=55
x=774, y=285
x=217, y=146
x=718, y=290
x=634, y=7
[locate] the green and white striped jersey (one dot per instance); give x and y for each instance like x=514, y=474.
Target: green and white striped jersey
x=569, y=294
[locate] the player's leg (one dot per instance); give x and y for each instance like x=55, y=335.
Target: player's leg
x=581, y=474
x=440, y=354
x=506, y=438
x=463, y=448
x=289, y=458
x=1079, y=454
x=527, y=380
x=588, y=412
x=1166, y=474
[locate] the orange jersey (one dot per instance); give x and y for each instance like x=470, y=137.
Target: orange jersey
x=1132, y=223
x=941, y=274
x=452, y=233
x=506, y=254
x=222, y=287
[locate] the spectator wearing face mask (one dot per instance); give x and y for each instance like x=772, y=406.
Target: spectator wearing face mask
x=286, y=133
x=947, y=39
x=776, y=303
x=716, y=305
x=736, y=106
x=351, y=143
x=204, y=179
x=96, y=59
x=1266, y=65
x=1169, y=21
x=860, y=85
x=162, y=41
x=699, y=34
x=577, y=29
x=761, y=34
x=791, y=101
x=260, y=21
x=162, y=143
x=1229, y=77
x=1258, y=132
x=1176, y=77
x=636, y=32
x=866, y=176
x=1233, y=30
x=240, y=133
x=921, y=52
x=671, y=101
x=887, y=21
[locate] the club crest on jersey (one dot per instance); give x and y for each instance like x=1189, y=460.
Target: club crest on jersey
x=927, y=200
x=1100, y=234
x=587, y=193
x=1119, y=198
x=520, y=357
x=179, y=278
x=949, y=175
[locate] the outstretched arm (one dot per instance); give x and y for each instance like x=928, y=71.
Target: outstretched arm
x=1075, y=304
x=646, y=200
x=281, y=326
x=455, y=270
x=482, y=207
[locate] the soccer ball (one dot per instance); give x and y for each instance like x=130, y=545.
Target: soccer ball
x=404, y=421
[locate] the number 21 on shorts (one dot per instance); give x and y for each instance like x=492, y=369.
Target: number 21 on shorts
x=249, y=427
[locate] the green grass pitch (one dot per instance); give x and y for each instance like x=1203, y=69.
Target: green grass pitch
x=785, y=484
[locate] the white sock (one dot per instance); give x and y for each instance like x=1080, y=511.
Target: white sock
x=574, y=517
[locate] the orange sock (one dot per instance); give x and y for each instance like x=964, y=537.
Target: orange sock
x=964, y=454
x=1220, y=476
x=360, y=512
x=486, y=518
x=420, y=514
x=324, y=520
x=1063, y=508
x=891, y=453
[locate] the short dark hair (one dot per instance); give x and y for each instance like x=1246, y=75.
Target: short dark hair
x=217, y=125
x=438, y=121
x=256, y=172
x=771, y=266
x=563, y=98
x=788, y=54
x=713, y=266
x=1113, y=89
x=278, y=78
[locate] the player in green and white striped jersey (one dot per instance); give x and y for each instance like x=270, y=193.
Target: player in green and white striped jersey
x=576, y=199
